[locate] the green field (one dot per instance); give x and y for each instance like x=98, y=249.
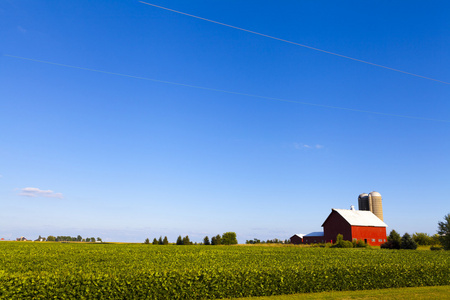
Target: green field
x=136, y=271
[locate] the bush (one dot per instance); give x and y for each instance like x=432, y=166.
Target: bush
x=434, y=248
x=340, y=243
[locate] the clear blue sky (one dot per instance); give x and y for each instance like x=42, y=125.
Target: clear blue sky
x=96, y=154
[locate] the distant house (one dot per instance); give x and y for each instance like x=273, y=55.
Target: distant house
x=2, y=239
x=297, y=239
x=21, y=239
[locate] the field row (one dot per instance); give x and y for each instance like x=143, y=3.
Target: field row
x=47, y=270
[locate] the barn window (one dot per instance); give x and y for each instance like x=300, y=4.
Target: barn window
x=373, y=240
x=380, y=240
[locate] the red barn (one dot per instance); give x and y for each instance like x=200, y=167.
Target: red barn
x=354, y=225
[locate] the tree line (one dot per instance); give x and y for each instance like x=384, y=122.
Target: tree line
x=63, y=238
x=227, y=238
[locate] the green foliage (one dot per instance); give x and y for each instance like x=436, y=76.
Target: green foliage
x=124, y=271
x=147, y=241
x=51, y=238
x=407, y=242
x=393, y=241
x=155, y=241
x=444, y=232
x=206, y=241
x=186, y=240
x=179, y=240
x=340, y=243
x=160, y=241
x=216, y=240
x=423, y=239
x=229, y=238
x=165, y=241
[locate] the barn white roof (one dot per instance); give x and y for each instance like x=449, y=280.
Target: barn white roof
x=360, y=217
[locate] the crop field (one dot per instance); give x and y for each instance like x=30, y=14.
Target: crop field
x=136, y=271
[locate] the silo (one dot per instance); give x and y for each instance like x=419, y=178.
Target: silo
x=375, y=204
x=363, y=202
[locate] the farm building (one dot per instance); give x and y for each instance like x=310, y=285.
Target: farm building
x=353, y=224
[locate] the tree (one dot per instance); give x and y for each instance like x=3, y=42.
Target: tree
x=155, y=241
x=99, y=239
x=407, y=242
x=147, y=241
x=206, y=241
x=229, y=238
x=165, y=241
x=393, y=241
x=79, y=238
x=217, y=240
x=186, y=240
x=88, y=240
x=93, y=239
x=179, y=240
x=422, y=239
x=444, y=232
x=160, y=241
x=51, y=238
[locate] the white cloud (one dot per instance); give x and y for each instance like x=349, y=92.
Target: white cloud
x=35, y=192
x=301, y=146
x=305, y=146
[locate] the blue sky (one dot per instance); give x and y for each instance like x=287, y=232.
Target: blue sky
x=125, y=158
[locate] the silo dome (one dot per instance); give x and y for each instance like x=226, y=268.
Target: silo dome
x=376, y=194
x=363, y=195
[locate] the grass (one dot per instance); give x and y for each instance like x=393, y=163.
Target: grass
x=429, y=292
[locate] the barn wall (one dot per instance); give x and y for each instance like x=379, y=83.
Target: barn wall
x=374, y=236
x=313, y=239
x=335, y=224
x=295, y=239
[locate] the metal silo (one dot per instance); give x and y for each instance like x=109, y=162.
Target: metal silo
x=363, y=202
x=375, y=204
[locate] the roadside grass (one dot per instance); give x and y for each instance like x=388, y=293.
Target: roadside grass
x=429, y=292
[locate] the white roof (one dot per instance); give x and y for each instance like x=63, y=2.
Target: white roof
x=300, y=235
x=360, y=217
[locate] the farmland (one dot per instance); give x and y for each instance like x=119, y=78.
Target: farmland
x=134, y=271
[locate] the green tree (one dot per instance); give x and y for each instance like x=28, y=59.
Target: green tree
x=160, y=241
x=186, y=240
x=79, y=238
x=407, y=242
x=444, y=232
x=165, y=241
x=218, y=240
x=179, y=240
x=422, y=239
x=147, y=241
x=229, y=238
x=155, y=241
x=99, y=239
x=393, y=241
x=206, y=241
